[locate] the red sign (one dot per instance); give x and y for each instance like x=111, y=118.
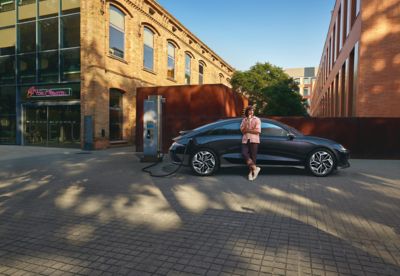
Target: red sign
x=33, y=92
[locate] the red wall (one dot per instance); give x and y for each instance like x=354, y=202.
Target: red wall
x=364, y=137
x=187, y=107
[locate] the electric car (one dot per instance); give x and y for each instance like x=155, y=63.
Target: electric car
x=211, y=146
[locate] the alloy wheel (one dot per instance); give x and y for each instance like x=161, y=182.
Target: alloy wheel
x=321, y=163
x=203, y=162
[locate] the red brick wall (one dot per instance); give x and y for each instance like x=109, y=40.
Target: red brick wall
x=187, y=107
x=379, y=80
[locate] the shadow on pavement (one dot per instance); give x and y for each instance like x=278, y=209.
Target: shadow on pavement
x=98, y=213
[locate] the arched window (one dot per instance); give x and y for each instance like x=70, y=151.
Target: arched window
x=221, y=78
x=117, y=32
x=148, y=57
x=188, y=63
x=171, y=61
x=201, y=73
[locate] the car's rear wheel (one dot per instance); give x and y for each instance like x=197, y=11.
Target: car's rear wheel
x=321, y=162
x=204, y=162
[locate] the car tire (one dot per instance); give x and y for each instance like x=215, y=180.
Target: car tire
x=204, y=162
x=321, y=162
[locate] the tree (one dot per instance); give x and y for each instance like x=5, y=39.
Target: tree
x=270, y=89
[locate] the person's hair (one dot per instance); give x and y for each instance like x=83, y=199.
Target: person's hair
x=246, y=111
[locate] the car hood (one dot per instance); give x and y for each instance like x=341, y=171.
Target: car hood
x=319, y=140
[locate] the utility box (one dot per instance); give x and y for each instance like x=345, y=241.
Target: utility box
x=152, y=128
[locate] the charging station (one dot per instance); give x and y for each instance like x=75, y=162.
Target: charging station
x=152, y=128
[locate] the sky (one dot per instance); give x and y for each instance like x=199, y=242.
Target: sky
x=286, y=33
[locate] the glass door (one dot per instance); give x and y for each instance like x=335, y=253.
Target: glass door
x=35, y=125
x=56, y=126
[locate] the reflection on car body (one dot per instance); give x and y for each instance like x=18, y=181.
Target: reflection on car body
x=207, y=148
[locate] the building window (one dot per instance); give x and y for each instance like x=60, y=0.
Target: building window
x=306, y=91
x=7, y=115
x=115, y=115
x=117, y=32
x=7, y=69
x=297, y=81
x=171, y=61
x=70, y=64
x=48, y=32
x=7, y=41
x=188, y=63
x=27, y=37
x=148, y=57
x=48, y=66
x=27, y=68
x=306, y=80
x=70, y=26
x=221, y=78
x=201, y=73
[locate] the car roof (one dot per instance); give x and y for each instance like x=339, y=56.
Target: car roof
x=234, y=120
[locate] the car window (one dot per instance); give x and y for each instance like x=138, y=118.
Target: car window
x=228, y=129
x=268, y=129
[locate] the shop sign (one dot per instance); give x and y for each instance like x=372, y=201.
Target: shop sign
x=33, y=92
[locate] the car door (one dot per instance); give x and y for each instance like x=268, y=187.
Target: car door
x=225, y=140
x=276, y=148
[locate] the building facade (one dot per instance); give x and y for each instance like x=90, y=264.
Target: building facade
x=305, y=78
x=360, y=64
x=69, y=69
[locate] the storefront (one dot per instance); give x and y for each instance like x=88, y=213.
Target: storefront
x=51, y=116
x=40, y=72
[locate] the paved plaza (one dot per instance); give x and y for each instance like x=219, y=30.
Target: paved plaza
x=70, y=212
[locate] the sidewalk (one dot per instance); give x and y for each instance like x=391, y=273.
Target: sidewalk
x=66, y=211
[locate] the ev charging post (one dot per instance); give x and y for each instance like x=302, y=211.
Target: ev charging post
x=152, y=128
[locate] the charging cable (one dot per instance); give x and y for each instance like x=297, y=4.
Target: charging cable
x=146, y=169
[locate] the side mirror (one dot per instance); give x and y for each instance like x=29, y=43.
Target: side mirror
x=290, y=136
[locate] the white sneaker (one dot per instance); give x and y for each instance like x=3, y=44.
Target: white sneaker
x=258, y=169
x=251, y=177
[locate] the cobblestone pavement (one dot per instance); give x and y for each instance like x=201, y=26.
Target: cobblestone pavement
x=65, y=211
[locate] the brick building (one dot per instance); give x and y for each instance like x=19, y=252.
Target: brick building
x=360, y=64
x=305, y=78
x=66, y=65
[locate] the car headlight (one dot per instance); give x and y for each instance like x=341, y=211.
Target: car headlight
x=341, y=148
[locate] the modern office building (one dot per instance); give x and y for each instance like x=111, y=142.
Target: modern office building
x=360, y=63
x=69, y=69
x=304, y=77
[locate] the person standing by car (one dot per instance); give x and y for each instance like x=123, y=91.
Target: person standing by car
x=251, y=129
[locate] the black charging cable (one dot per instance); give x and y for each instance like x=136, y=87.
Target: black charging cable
x=146, y=169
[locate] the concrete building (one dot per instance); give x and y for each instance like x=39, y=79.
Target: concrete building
x=305, y=78
x=360, y=63
x=70, y=68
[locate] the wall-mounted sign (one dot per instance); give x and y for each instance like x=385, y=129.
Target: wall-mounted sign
x=33, y=92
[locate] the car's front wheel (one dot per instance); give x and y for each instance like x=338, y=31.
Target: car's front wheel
x=321, y=162
x=204, y=162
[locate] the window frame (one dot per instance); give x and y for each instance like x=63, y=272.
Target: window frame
x=201, y=74
x=173, y=59
x=112, y=50
x=188, y=69
x=151, y=47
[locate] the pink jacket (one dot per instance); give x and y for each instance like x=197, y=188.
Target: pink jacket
x=253, y=124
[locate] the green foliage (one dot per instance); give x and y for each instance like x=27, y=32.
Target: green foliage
x=270, y=89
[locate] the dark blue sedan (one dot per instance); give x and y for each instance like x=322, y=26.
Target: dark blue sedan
x=207, y=148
